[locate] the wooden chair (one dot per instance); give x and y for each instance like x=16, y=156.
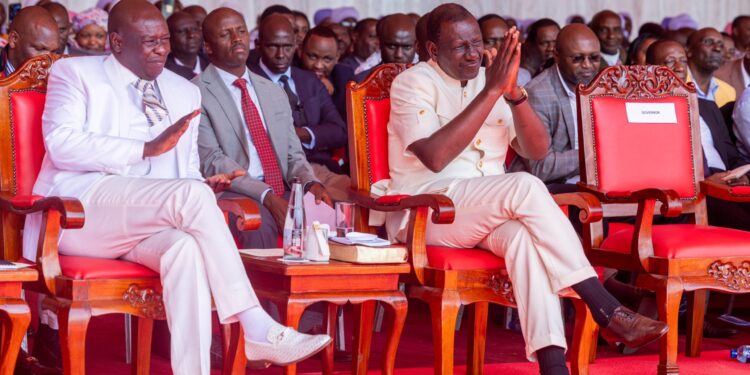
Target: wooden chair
x=445, y=278
x=78, y=287
x=634, y=168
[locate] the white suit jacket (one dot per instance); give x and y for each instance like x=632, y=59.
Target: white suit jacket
x=86, y=129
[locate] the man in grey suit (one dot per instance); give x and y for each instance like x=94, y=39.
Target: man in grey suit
x=247, y=124
x=552, y=95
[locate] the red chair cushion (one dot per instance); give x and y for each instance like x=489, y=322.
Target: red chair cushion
x=680, y=241
x=616, y=227
x=377, y=115
x=451, y=258
x=86, y=268
x=631, y=156
x=26, y=109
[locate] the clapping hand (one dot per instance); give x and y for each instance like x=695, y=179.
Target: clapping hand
x=501, y=66
x=169, y=138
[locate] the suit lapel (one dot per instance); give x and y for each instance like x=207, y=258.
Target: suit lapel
x=216, y=87
x=567, y=110
x=120, y=90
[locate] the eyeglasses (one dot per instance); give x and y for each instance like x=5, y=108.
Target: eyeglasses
x=708, y=42
x=578, y=59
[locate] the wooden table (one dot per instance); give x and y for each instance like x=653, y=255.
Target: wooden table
x=294, y=287
x=14, y=315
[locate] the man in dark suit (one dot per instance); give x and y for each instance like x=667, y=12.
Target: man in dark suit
x=365, y=41
x=552, y=95
x=317, y=123
x=397, y=34
x=247, y=124
x=185, y=40
x=719, y=153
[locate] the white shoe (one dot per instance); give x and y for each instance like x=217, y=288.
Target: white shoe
x=285, y=346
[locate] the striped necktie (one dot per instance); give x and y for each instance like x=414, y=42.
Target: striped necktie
x=154, y=109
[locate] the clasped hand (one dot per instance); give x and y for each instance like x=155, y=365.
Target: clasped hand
x=501, y=66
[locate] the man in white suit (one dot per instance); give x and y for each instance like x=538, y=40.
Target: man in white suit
x=121, y=136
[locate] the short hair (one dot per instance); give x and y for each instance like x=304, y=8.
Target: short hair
x=488, y=17
x=275, y=9
x=300, y=14
x=738, y=19
x=321, y=31
x=359, y=27
x=635, y=45
x=445, y=13
x=536, y=26
x=651, y=51
x=651, y=28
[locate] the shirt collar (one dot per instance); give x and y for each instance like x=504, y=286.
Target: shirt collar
x=229, y=78
x=274, y=76
x=448, y=79
x=611, y=60
x=713, y=86
x=570, y=93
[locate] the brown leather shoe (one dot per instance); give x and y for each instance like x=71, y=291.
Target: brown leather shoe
x=632, y=329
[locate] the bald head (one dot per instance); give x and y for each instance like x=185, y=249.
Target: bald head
x=273, y=24
x=577, y=54
x=276, y=43
x=33, y=32
x=184, y=36
x=608, y=28
x=493, y=29
x=139, y=37
x=196, y=11
x=397, y=35
x=706, y=50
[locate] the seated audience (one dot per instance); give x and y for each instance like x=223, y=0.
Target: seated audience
x=552, y=96
x=719, y=152
x=254, y=55
x=185, y=41
x=364, y=43
x=60, y=14
x=302, y=25
x=637, y=50
x=731, y=53
x=705, y=54
x=608, y=28
x=141, y=172
x=509, y=214
x=3, y=31
x=198, y=12
x=651, y=28
x=397, y=36
x=541, y=36
x=741, y=32
x=320, y=54
x=90, y=33
x=493, y=29
x=343, y=40
x=317, y=123
x=247, y=125
x=737, y=72
x=33, y=32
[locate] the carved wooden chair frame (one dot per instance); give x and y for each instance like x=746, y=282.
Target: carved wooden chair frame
x=446, y=290
x=76, y=300
x=669, y=278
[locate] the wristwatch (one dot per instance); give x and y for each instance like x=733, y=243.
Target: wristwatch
x=517, y=101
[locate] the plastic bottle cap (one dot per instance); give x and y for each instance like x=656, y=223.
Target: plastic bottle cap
x=733, y=353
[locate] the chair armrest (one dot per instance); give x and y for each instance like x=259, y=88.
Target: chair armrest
x=726, y=192
x=246, y=210
x=591, y=208
x=70, y=209
x=443, y=211
x=671, y=206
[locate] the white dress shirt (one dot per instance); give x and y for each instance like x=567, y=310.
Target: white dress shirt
x=713, y=159
x=611, y=60
x=196, y=68
x=712, y=88
x=573, y=106
x=741, y=117
x=160, y=166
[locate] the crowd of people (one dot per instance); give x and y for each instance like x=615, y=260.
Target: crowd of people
x=243, y=110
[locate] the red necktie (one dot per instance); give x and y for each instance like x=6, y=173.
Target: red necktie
x=271, y=170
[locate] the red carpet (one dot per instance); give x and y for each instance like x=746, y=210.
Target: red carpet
x=504, y=353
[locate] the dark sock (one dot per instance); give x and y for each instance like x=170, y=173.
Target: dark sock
x=552, y=361
x=599, y=301
x=628, y=294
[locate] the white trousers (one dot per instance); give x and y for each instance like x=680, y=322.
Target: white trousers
x=175, y=228
x=514, y=216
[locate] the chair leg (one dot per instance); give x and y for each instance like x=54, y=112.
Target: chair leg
x=477, y=338
x=15, y=317
x=233, y=349
x=668, y=296
x=584, y=339
x=444, y=312
x=696, y=315
x=74, y=320
x=144, y=329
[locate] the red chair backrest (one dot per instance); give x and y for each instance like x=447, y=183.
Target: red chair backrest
x=622, y=153
x=22, y=98
x=369, y=108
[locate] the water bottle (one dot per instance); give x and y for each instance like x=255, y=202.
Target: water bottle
x=294, y=225
x=741, y=354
